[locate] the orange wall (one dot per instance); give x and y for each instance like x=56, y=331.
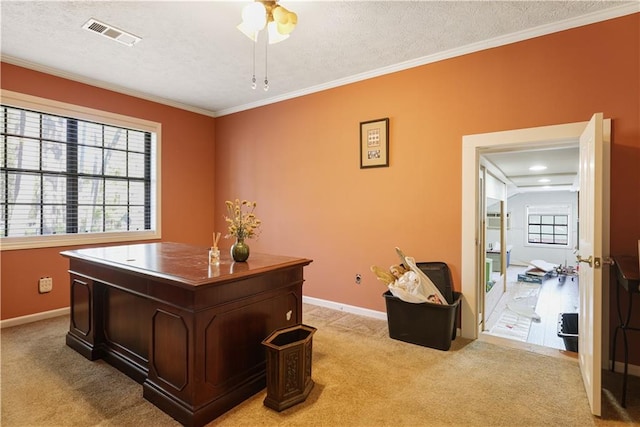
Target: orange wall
x=299, y=159
x=187, y=190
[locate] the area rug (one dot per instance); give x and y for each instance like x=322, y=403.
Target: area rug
x=515, y=320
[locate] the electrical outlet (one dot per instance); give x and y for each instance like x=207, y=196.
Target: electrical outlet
x=45, y=284
x=358, y=279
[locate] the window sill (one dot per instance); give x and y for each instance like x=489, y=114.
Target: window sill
x=18, y=243
x=547, y=246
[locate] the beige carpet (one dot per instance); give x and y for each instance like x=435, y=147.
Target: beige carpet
x=363, y=378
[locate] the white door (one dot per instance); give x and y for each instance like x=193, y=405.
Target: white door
x=592, y=170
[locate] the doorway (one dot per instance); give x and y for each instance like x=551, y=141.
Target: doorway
x=472, y=271
x=529, y=236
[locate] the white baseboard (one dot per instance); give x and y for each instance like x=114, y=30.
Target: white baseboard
x=15, y=321
x=7, y=323
x=352, y=309
x=632, y=369
x=345, y=307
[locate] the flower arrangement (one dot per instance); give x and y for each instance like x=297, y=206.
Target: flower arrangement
x=241, y=220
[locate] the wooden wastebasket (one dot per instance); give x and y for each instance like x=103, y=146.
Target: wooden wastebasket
x=288, y=366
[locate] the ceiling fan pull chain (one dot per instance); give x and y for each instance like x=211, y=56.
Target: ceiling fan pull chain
x=253, y=80
x=266, y=73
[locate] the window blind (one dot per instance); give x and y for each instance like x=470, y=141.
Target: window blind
x=62, y=175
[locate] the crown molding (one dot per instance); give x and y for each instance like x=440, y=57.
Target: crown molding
x=614, y=12
x=592, y=18
x=102, y=85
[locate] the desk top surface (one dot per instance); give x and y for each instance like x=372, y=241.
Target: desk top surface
x=629, y=270
x=187, y=264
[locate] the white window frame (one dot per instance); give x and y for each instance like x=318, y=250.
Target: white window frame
x=44, y=105
x=555, y=209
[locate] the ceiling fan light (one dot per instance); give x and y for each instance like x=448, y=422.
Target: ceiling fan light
x=285, y=29
x=275, y=36
x=254, y=16
x=279, y=14
x=252, y=34
x=285, y=19
x=293, y=18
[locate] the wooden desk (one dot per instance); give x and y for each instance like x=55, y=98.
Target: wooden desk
x=628, y=278
x=191, y=333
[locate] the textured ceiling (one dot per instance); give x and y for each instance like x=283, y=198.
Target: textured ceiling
x=192, y=56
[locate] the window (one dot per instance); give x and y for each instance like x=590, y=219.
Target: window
x=72, y=175
x=548, y=225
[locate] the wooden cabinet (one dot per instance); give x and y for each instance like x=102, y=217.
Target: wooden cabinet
x=191, y=333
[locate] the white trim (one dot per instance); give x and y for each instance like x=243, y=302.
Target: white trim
x=102, y=85
x=579, y=21
x=30, y=318
x=45, y=105
x=345, y=307
x=65, y=311
x=56, y=241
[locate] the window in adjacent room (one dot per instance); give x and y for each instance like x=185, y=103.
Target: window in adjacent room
x=70, y=175
x=549, y=225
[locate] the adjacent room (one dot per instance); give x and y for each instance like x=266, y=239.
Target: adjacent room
x=192, y=189
x=524, y=302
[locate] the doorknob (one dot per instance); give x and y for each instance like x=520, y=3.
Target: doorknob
x=587, y=260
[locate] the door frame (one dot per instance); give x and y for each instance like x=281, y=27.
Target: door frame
x=495, y=187
x=473, y=146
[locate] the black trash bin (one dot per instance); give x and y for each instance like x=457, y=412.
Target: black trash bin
x=426, y=324
x=568, y=330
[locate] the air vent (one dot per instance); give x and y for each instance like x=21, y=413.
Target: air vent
x=111, y=32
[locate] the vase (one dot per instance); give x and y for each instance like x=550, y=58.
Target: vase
x=240, y=251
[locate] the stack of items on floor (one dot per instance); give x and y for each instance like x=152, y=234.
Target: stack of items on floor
x=538, y=272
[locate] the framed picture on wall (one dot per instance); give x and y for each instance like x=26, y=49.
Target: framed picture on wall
x=374, y=143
